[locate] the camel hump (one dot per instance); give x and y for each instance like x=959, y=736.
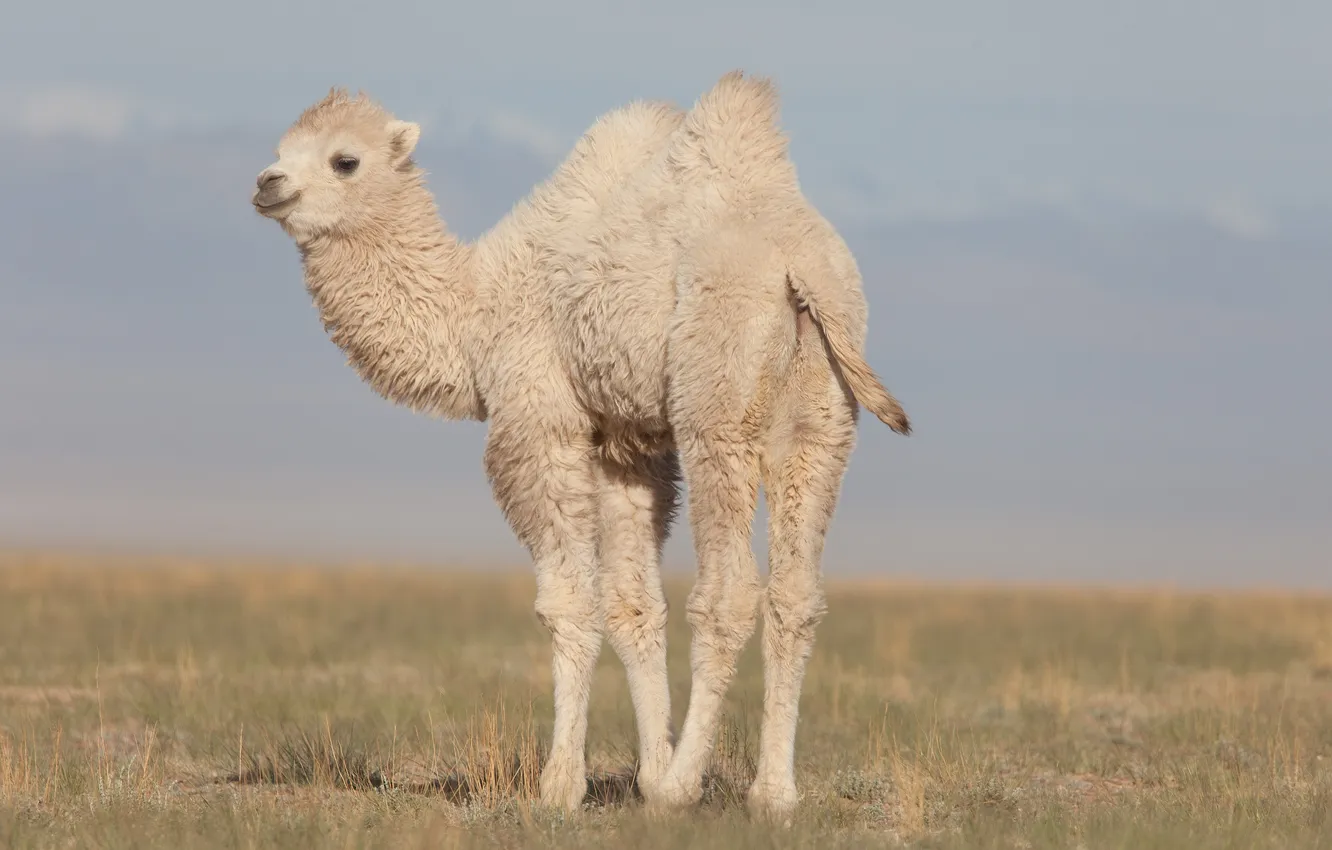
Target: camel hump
x=738, y=98
x=733, y=127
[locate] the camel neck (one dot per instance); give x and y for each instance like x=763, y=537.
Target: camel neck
x=395, y=293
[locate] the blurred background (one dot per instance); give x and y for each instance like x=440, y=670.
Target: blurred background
x=1094, y=241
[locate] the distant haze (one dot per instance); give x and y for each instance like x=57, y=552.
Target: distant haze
x=1095, y=241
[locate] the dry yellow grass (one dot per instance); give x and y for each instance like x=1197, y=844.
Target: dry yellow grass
x=185, y=705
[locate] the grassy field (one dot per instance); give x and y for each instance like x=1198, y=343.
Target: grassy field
x=184, y=705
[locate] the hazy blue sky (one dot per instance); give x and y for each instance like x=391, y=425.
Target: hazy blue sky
x=1095, y=242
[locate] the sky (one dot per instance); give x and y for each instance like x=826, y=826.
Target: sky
x=1094, y=242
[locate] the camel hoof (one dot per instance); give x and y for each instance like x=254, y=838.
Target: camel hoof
x=773, y=802
x=674, y=794
x=562, y=789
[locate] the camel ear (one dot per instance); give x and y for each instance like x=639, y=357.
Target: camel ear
x=403, y=136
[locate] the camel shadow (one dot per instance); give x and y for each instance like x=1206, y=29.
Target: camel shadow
x=610, y=789
x=352, y=772
x=342, y=763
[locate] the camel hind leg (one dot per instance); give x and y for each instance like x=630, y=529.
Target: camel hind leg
x=805, y=455
x=733, y=339
x=722, y=608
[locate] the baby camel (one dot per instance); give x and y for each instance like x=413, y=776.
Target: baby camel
x=667, y=304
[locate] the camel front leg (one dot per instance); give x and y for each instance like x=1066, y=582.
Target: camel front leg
x=637, y=503
x=546, y=485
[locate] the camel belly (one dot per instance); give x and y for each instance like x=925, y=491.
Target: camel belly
x=614, y=340
x=619, y=375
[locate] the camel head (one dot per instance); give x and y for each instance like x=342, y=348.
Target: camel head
x=343, y=163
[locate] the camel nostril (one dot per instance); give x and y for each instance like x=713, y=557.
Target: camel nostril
x=267, y=178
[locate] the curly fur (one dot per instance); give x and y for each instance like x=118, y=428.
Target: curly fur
x=666, y=306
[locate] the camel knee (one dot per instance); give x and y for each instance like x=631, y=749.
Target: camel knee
x=723, y=614
x=635, y=620
x=793, y=608
x=570, y=617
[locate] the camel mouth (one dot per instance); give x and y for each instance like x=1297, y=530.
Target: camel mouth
x=268, y=207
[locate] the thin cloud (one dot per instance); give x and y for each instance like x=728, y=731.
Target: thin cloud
x=528, y=132
x=89, y=112
x=63, y=111
x=504, y=125
x=1239, y=218
x=1071, y=305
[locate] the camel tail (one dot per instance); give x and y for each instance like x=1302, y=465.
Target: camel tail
x=836, y=329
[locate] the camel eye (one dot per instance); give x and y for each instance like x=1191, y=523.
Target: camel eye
x=345, y=164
